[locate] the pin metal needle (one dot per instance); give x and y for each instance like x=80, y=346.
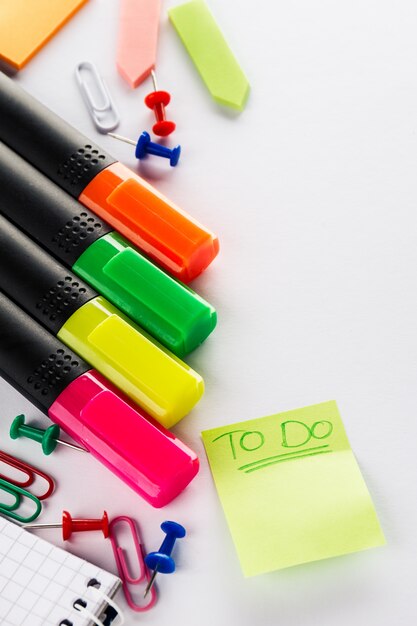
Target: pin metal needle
x=120, y=138
x=151, y=582
x=71, y=445
x=155, y=84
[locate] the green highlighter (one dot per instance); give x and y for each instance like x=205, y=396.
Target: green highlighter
x=168, y=310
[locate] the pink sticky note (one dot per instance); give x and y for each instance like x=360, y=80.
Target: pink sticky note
x=138, y=38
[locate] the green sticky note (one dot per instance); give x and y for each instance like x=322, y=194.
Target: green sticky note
x=291, y=489
x=210, y=53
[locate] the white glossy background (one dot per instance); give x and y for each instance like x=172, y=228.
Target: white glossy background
x=313, y=193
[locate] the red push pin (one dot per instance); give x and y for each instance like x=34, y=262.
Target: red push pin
x=70, y=525
x=158, y=100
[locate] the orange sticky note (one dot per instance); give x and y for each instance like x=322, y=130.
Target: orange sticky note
x=27, y=25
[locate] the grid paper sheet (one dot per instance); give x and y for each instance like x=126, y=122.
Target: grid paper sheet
x=40, y=582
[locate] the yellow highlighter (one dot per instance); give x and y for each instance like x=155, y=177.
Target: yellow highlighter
x=157, y=380
x=150, y=375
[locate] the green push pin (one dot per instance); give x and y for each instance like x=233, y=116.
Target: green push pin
x=49, y=438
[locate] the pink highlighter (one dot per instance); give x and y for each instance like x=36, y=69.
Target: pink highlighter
x=146, y=456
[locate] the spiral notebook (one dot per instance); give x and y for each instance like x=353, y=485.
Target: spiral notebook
x=40, y=582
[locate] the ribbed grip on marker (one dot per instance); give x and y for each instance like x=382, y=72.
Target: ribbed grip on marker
x=40, y=285
x=33, y=361
x=44, y=211
x=57, y=149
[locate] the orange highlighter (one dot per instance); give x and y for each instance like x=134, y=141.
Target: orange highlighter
x=168, y=235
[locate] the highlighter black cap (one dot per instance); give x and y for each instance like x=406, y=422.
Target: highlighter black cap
x=70, y=159
x=36, y=281
x=173, y=314
x=32, y=360
x=56, y=220
x=149, y=458
x=162, y=385
x=165, y=233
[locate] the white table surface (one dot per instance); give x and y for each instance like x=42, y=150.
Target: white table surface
x=312, y=191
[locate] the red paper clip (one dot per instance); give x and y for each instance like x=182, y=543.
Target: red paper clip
x=126, y=577
x=30, y=471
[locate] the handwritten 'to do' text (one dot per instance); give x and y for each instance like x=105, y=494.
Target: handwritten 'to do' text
x=292, y=435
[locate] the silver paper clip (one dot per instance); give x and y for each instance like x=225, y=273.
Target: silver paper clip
x=103, y=112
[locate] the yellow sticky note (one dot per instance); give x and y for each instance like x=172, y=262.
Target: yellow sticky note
x=291, y=489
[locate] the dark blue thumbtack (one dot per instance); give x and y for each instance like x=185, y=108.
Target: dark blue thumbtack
x=162, y=561
x=145, y=146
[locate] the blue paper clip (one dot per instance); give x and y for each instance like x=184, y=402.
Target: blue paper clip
x=103, y=112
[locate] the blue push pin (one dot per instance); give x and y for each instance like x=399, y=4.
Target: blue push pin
x=162, y=561
x=145, y=146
